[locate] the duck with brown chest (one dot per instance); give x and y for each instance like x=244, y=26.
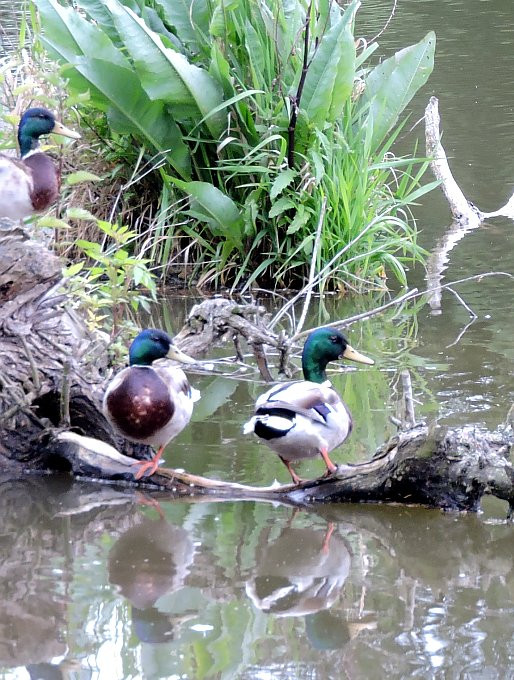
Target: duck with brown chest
x=32, y=182
x=150, y=401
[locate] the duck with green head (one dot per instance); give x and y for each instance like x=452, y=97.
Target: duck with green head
x=32, y=182
x=150, y=401
x=307, y=418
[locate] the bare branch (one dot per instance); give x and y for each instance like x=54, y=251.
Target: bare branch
x=313, y=263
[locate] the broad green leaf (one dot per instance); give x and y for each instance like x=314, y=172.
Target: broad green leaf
x=280, y=206
x=277, y=30
x=219, y=68
x=291, y=21
x=391, y=85
x=324, y=74
x=345, y=75
x=189, y=18
x=156, y=24
x=138, y=115
x=329, y=13
x=256, y=53
x=214, y=207
x=166, y=74
x=81, y=176
x=113, y=83
x=72, y=35
x=97, y=10
x=282, y=180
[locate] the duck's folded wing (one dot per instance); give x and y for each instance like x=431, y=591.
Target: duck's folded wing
x=310, y=400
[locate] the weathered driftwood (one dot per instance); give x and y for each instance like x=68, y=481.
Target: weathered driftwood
x=434, y=466
x=52, y=369
x=466, y=216
x=463, y=211
x=218, y=319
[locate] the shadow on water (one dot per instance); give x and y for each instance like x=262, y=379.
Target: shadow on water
x=91, y=581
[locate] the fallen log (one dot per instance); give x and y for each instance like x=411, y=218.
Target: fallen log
x=52, y=368
x=449, y=468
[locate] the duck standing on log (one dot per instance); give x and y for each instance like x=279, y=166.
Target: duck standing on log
x=32, y=182
x=150, y=401
x=307, y=418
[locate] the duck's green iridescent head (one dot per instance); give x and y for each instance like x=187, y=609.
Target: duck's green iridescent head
x=37, y=122
x=324, y=345
x=152, y=344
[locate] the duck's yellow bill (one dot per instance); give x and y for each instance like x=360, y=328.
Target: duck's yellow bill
x=178, y=355
x=352, y=354
x=60, y=129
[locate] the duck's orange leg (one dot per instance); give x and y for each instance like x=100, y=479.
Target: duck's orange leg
x=326, y=539
x=296, y=479
x=148, y=467
x=331, y=468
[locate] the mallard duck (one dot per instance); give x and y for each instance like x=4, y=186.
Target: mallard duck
x=150, y=401
x=31, y=183
x=300, y=572
x=307, y=418
x=148, y=561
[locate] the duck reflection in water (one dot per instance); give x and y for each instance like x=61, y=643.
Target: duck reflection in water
x=301, y=573
x=147, y=562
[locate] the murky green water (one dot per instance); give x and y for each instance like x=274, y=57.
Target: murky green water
x=95, y=585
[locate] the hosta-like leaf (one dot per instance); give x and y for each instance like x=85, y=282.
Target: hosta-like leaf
x=97, y=10
x=330, y=74
x=136, y=114
x=189, y=18
x=345, y=75
x=166, y=74
x=214, y=207
x=114, y=86
x=71, y=34
x=392, y=84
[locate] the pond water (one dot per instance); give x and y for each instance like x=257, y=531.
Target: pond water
x=97, y=585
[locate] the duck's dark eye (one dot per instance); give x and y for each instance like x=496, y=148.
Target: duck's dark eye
x=334, y=339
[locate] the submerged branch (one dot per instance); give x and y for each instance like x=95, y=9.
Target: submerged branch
x=462, y=210
x=466, y=216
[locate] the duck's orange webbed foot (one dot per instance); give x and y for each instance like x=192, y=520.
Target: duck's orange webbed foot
x=148, y=467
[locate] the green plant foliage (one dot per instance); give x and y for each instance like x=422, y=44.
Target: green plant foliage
x=263, y=111
x=329, y=80
x=391, y=85
x=111, y=278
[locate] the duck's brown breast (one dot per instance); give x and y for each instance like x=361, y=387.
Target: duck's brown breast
x=141, y=405
x=45, y=180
